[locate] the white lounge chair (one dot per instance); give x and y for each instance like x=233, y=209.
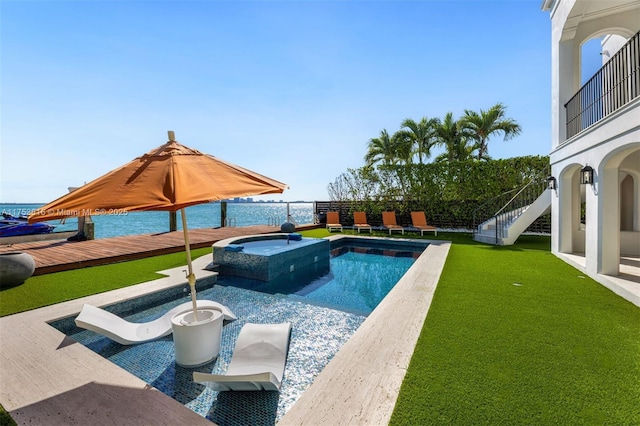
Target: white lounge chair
x=258, y=360
x=129, y=333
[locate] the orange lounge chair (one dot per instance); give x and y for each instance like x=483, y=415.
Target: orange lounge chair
x=333, y=221
x=419, y=221
x=389, y=222
x=360, y=221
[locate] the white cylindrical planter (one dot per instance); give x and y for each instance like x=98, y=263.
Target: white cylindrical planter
x=197, y=342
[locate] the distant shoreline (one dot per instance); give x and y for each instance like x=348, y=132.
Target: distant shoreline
x=206, y=215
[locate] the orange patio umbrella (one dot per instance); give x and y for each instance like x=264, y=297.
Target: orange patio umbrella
x=168, y=178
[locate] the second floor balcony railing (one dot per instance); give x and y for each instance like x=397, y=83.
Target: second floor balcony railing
x=617, y=83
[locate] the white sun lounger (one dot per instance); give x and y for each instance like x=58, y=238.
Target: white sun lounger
x=129, y=333
x=258, y=360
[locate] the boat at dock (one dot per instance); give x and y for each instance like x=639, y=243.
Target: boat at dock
x=11, y=226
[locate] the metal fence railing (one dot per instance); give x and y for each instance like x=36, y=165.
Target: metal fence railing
x=459, y=222
x=616, y=84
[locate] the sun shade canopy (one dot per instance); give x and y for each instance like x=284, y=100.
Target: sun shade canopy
x=167, y=178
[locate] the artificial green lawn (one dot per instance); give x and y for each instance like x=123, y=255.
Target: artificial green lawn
x=513, y=336
x=43, y=290
x=5, y=418
x=516, y=336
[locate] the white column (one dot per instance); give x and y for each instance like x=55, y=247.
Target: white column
x=562, y=87
x=608, y=222
x=636, y=201
x=563, y=204
x=592, y=231
x=556, y=212
x=577, y=233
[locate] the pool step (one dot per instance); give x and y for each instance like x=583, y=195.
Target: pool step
x=306, y=300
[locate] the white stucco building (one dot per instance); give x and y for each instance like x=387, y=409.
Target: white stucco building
x=596, y=222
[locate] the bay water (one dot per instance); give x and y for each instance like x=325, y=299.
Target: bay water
x=199, y=216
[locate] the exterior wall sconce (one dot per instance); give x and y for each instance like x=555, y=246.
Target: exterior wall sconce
x=552, y=183
x=586, y=175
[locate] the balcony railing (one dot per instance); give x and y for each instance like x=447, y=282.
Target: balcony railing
x=614, y=85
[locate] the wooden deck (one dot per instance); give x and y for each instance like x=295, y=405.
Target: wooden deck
x=63, y=255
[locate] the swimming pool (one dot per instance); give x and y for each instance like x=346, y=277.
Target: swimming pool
x=319, y=331
x=361, y=273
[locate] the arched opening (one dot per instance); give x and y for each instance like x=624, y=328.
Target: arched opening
x=591, y=58
x=627, y=205
x=629, y=176
x=572, y=208
x=620, y=199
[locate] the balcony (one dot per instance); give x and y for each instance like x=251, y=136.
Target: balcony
x=616, y=84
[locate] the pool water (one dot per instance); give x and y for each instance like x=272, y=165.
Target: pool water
x=322, y=321
x=267, y=247
x=317, y=335
x=357, y=282
x=359, y=276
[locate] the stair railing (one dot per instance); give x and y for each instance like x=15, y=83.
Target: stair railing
x=481, y=215
x=514, y=208
x=517, y=200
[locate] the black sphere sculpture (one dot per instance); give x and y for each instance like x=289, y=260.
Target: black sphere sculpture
x=287, y=227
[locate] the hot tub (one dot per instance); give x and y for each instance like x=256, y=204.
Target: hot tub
x=269, y=256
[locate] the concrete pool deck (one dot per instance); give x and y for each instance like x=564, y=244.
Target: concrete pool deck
x=47, y=378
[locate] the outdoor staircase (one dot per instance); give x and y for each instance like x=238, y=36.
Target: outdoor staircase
x=523, y=207
x=511, y=224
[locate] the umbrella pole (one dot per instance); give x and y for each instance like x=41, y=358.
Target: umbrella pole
x=191, y=278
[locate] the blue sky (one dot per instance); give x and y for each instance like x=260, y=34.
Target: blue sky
x=292, y=90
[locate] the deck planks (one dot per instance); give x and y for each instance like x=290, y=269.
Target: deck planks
x=62, y=255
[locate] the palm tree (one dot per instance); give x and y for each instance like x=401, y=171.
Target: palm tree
x=403, y=145
x=484, y=125
x=420, y=134
x=454, y=138
x=381, y=150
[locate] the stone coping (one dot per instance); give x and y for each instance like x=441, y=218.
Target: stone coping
x=48, y=378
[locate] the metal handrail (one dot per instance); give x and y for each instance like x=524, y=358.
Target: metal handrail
x=272, y=221
x=516, y=203
x=494, y=199
x=503, y=218
x=515, y=196
x=614, y=85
